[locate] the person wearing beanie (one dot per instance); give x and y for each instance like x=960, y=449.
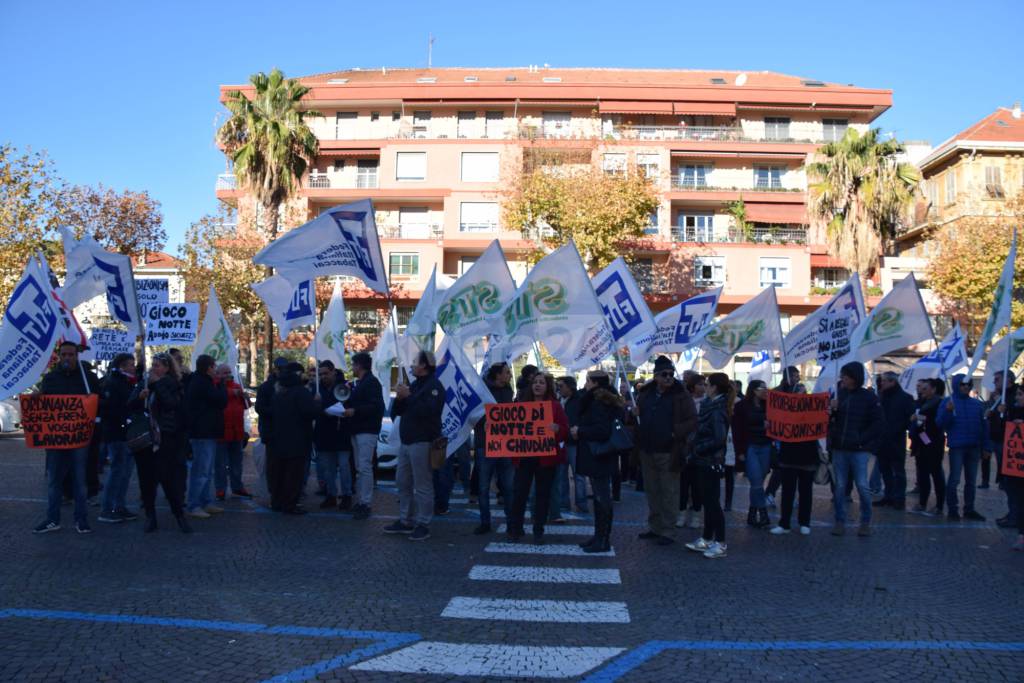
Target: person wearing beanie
x=962, y=417
x=667, y=419
x=855, y=428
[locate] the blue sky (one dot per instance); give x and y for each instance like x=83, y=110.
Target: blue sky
x=126, y=93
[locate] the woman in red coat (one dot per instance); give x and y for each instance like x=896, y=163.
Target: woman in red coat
x=540, y=388
x=231, y=446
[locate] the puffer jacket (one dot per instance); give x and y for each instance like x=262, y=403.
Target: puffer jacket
x=857, y=422
x=712, y=432
x=420, y=410
x=965, y=424
x=599, y=408
x=684, y=419
x=114, y=395
x=898, y=408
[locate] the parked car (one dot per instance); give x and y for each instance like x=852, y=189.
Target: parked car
x=10, y=415
x=387, y=447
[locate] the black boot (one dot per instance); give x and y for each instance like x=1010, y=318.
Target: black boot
x=603, y=529
x=150, y=524
x=763, y=520
x=598, y=525
x=183, y=524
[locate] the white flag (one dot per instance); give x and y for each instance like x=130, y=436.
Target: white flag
x=687, y=360
x=70, y=329
x=999, y=317
x=944, y=361
x=289, y=305
x=472, y=304
x=556, y=305
x=340, y=241
x=996, y=361
x=91, y=270
x=422, y=326
x=215, y=338
x=898, y=321
x=465, y=394
x=754, y=326
x=330, y=335
x=826, y=333
x=625, y=309
x=383, y=356
x=30, y=330
x=677, y=328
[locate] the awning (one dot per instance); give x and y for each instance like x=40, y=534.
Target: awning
x=633, y=107
x=807, y=108
x=780, y=156
x=705, y=108
x=825, y=261
x=337, y=153
x=778, y=214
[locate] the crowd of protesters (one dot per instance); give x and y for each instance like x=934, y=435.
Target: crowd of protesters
x=185, y=432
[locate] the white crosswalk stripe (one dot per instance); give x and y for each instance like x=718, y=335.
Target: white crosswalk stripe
x=559, y=530
x=529, y=549
x=552, y=611
x=482, y=572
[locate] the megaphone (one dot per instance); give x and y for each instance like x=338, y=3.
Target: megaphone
x=342, y=392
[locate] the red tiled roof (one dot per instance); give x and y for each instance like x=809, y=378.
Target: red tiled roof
x=156, y=259
x=999, y=126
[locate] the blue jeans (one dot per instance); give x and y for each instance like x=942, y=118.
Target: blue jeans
x=200, y=474
x=58, y=463
x=120, y=475
x=844, y=462
x=464, y=456
x=332, y=466
x=964, y=458
x=758, y=462
x=489, y=467
x=559, y=492
x=228, y=461
x=875, y=478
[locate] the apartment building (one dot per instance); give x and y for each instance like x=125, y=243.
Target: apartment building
x=435, y=148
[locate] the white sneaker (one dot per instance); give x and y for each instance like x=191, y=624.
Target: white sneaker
x=778, y=531
x=681, y=521
x=198, y=513
x=805, y=531
x=696, y=522
x=715, y=550
x=698, y=546
x=213, y=509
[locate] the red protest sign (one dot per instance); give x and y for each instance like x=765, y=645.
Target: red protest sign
x=797, y=417
x=519, y=430
x=58, y=420
x=1013, y=450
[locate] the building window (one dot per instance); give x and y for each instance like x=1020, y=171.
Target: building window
x=366, y=173
x=466, y=124
x=556, y=124
x=709, y=271
x=375, y=116
x=421, y=124
x=614, y=163
x=403, y=314
x=345, y=125
x=950, y=186
x=339, y=165
x=396, y=116
x=994, y=182
x=834, y=129
x=494, y=124
x=652, y=224
x=768, y=177
x=830, y=278
x=649, y=165
x=465, y=263
x=643, y=273
x=405, y=266
x=695, y=228
x=478, y=216
x=479, y=167
x=774, y=271
x=776, y=128
x=410, y=166
x=931, y=190
x=414, y=222
x=363, y=320
x=693, y=175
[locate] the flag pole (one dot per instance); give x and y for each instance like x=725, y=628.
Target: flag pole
x=1009, y=334
x=316, y=343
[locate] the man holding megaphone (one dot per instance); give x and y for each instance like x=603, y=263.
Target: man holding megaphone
x=332, y=440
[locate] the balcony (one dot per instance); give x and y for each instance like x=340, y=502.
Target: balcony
x=734, y=236
x=703, y=133
x=698, y=185
x=320, y=181
x=411, y=231
x=651, y=283
x=226, y=181
x=479, y=227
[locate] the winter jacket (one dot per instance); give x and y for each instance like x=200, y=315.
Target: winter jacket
x=420, y=411
x=331, y=433
x=931, y=430
x=599, y=408
x=748, y=426
x=572, y=412
x=114, y=394
x=234, y=412
x=293, y=412
x=677, y=432
x=265, y=408
x=996, y=420
x=367, y=402
x=560, y=419
x=898, y=407
x=165, y=405
x=501, y=395
x=204, y=402
x=965, y=424
x=62, y=381
x=712, y=432
x=857, y=422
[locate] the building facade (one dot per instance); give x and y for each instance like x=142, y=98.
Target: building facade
x=434, y=149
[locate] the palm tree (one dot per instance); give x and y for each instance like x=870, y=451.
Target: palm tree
x=271, y=146
x=859, y=194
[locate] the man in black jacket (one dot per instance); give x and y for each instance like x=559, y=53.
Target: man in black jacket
x=117, y=387
x=264, y=415
x=333, y=443
x=68, y=377
x=364, y=411
x=855, y=428
x=898, y=408
x=570, y=399
x=294, y=409
x=419, y=405
x=204, y=402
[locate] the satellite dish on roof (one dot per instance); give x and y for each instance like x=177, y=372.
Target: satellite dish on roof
x=741, y=79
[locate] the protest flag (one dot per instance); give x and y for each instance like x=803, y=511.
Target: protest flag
x=30, y=329
x=948, y=357
x=91, y=270
x=899, y=320
x=215, y=338
x=289, y=305
x=625, y=310
x=999, y=316
x=329, y=342
x=677, y=328
x=826, y=333
x=754, y=326
x=465, y=394
x=472, y=304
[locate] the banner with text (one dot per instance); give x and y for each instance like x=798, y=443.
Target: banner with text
x=151, y=291
x=106, y=342
x=172, y=324
x=58, y=420
x=520, y=430
x=1013, y=450
x=797, y=417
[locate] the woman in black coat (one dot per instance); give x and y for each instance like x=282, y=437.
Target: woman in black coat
x=599, y=408
x=708, y=456
x=294, y=409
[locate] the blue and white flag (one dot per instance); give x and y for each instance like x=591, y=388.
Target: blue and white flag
x=289, y=305
x=761, y=367
x=826, y=333
x=91, y=270
x=465, y=394
x=678, y=327
x=944, y=361
x=625, y=309
x=340, y=241
x=999, y=316
x=31, y=327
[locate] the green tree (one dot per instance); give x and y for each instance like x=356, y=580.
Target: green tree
x=271, y=146
x=859, y=193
